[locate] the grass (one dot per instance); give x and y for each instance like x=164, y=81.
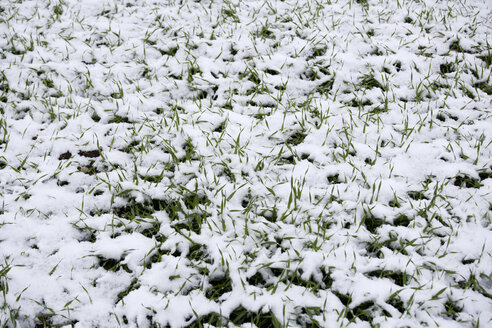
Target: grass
x=219, y=286
x=219, y=163
x=241, y=315
x=399, y=278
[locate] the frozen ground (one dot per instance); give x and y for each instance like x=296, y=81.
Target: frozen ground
x=269, y=163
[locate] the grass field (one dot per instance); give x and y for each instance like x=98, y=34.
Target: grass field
x=297, y=163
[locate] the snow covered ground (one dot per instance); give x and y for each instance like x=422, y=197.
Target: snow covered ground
x=257, y=163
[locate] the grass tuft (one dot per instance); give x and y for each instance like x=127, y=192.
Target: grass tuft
x=371, y=222
x=399, y=278
x=296, y=138
x=466, y=181
x=241, y=315
x=218, y=286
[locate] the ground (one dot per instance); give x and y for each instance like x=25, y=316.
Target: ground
x=257, y=163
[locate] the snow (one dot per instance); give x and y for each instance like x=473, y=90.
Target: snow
x=322, y=163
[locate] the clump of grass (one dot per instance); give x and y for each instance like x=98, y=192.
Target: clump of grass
x=484, y=86
x=318, y=52
x=467, y=181
x=156, y=257
x=326, y=86
x=185, y=225
x=134, y=285
x=45, y=319
x=190, y=151
x=452, y=309
x=270, y=214
x=191, y=222
x=263, y=32
x=212, y=319
x=95, y=117
x=117, y=95
x=231, y=13
x=171, y=51
x=485, y=174
x=441, y=117
x=293, y=277
x=397, y=65
x=48, y=83
x=333, y=178
x=241, y=315
x=257, y=279
x=272, y=71
x=89, y=169
x=377, y=52
x=456, y=46
x=152, y=178
x=226, y=171
x=467, y=92
x=219, y=285
x=394, y=203
x=401, y=220
x=363, y=311
x=110, y=264
x=368, y=81
x=473, y=283
x=487, y=58
x=360, y=103
x=379, y=110
x=296, y=138
x=371, y=222
x=190, y=219
x=134, y=210
x=119, y=119
x=399, y=278
x=417, y=195
x=198, y=253
x=396, y=302
x=447, y=68
x=374, y=247
x=305, y=317
x=4, y=83
x=154, y=231
x=221, y=127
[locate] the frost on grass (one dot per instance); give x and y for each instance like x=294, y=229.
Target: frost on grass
x=267, y=163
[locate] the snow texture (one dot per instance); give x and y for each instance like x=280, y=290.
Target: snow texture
x=297, y=163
